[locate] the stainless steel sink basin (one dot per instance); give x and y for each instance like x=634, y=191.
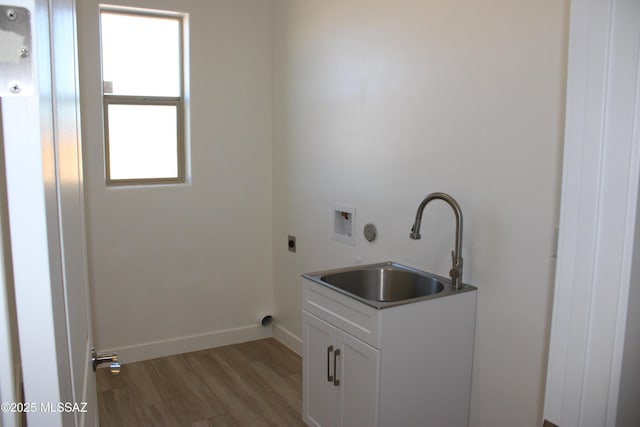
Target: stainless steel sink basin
x=384, y=283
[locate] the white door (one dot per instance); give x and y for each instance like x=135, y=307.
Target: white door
x=41, y=143
x=358, y=370
x=318, y=370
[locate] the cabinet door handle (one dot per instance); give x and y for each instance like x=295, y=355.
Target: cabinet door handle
x=336, y=381
x=329, y=350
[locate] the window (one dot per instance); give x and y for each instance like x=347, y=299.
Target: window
x=142, y=68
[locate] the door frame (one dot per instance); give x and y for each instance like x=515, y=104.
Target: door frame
x=598, y=214
x=34, y=129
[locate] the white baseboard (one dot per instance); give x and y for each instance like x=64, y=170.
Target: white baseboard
x=152, y=350
x=286, y=337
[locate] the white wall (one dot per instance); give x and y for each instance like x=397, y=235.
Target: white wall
x=378, y=104
x=188, y=266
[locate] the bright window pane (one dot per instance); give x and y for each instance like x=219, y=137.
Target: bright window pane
x=141, y=54
x=142, y=141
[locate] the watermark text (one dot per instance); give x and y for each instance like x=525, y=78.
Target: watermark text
x=48, y=407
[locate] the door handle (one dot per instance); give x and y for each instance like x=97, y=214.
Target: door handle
x=329, y=376
x=98, y=359
x=336, y=381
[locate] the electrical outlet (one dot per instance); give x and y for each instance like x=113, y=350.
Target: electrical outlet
x=291, y=243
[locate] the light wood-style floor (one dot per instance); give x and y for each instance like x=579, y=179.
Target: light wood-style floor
x=251, y=384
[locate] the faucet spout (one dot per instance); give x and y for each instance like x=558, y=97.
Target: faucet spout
x=456, y=254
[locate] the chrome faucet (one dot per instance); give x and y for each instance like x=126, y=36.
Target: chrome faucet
x=456, y=254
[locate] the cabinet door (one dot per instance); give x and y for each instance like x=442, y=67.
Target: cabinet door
x=319, y=394
x=358, y=370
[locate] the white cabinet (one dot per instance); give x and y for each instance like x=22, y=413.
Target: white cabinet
x=407, y=365
x=341, y=377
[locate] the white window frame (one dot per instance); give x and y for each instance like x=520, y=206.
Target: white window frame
x=178, y=102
